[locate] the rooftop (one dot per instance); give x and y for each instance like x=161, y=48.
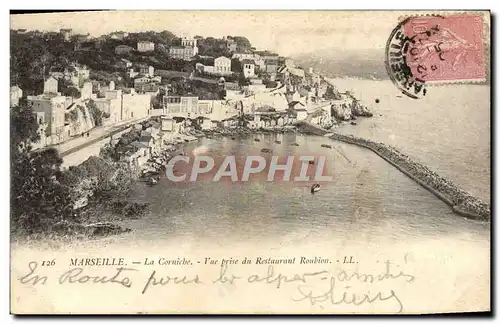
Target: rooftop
x=282, y=68
x=47, y=96
x=139, y=145
x=266, y=53
x=145, y=138
x=246, y=61
x=296, y=105
x=265, y=108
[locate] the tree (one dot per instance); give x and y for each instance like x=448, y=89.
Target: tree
x=242, y=81
x=30, y=61
x=213, y=47
x=188, y=67
x=71, y=92
x=242, y=42
x=38, y=200
x=236, y=66
x=168, y=37
x=156, y=101
x=179, y=86
x=161, y=49
x=24, y=128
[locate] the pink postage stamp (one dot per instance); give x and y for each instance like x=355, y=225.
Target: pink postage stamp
x=436, y=49
x=446, y=48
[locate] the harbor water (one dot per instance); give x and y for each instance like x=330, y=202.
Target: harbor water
x=369, y=212
x=368, y=198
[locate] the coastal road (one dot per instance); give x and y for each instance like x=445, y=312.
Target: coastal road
x=95, y=135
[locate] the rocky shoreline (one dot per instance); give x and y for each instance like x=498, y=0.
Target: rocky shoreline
x=100, y=187
x=101, y=184
x=241, y=131
x=461, y=201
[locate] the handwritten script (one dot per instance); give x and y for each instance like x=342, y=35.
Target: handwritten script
x=339, y=287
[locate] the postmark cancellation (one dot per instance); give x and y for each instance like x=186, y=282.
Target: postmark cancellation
x=426, y=50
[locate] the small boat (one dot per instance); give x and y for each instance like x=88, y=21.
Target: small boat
x=257, y=140
x=315, y=188
x=294, y=144
x=277, y=142
x=266, y=150
x=326, y=145
x=399, y=96
x=353, y=123
x=152, y=181
x=150, y=173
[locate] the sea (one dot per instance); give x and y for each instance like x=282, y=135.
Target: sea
x=448, y=131
x=368, y=213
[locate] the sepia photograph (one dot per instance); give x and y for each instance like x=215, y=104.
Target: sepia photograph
x=250, y=162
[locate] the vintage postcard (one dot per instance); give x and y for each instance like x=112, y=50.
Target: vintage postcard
x=250, y=162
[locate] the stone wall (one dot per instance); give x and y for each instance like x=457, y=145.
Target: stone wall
x=461, y=201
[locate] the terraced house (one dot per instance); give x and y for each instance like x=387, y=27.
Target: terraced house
x=182, y=105
x=186, y=51
x=145, y=46
x=50, y=108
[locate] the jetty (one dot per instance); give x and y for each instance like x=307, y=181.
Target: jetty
x=459, y=200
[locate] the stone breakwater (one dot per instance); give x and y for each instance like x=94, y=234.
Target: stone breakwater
x=461, y=201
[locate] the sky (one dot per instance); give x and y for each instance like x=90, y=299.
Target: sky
x=286, y=32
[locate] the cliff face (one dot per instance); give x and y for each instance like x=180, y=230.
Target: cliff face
x=342, y=112
x=358, y=109
x=349, y=109
x=80, y=119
